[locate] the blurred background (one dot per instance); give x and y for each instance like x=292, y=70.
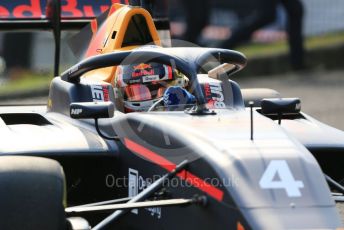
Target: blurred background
x=293, y=46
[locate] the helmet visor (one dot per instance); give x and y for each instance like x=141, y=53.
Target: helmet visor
x=139, y=92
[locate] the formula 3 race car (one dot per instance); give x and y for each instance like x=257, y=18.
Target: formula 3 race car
x=234, y=159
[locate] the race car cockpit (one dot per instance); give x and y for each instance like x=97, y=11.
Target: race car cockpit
x=138, y=87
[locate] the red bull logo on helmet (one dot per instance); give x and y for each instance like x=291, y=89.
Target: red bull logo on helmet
x=143, y=70
x=142, y=66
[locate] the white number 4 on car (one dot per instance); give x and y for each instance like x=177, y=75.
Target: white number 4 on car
x=278, y=176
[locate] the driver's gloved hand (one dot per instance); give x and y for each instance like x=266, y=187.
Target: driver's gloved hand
x=176, y=97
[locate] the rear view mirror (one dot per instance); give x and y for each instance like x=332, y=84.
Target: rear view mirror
x=94, y=110
x=281, y=106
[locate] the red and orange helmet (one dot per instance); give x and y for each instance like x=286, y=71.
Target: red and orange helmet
x=140, y=86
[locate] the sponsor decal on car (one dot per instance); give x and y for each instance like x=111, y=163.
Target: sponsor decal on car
x=137, y=184
x=214, y=95
x=70, y=8
x=76, y=111
x=100, y=93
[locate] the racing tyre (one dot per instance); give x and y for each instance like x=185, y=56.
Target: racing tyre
x=31, y=194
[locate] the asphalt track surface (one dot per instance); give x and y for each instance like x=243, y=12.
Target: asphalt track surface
x=321, y=94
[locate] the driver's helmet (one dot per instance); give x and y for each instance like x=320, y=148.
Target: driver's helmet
x=139, y=86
